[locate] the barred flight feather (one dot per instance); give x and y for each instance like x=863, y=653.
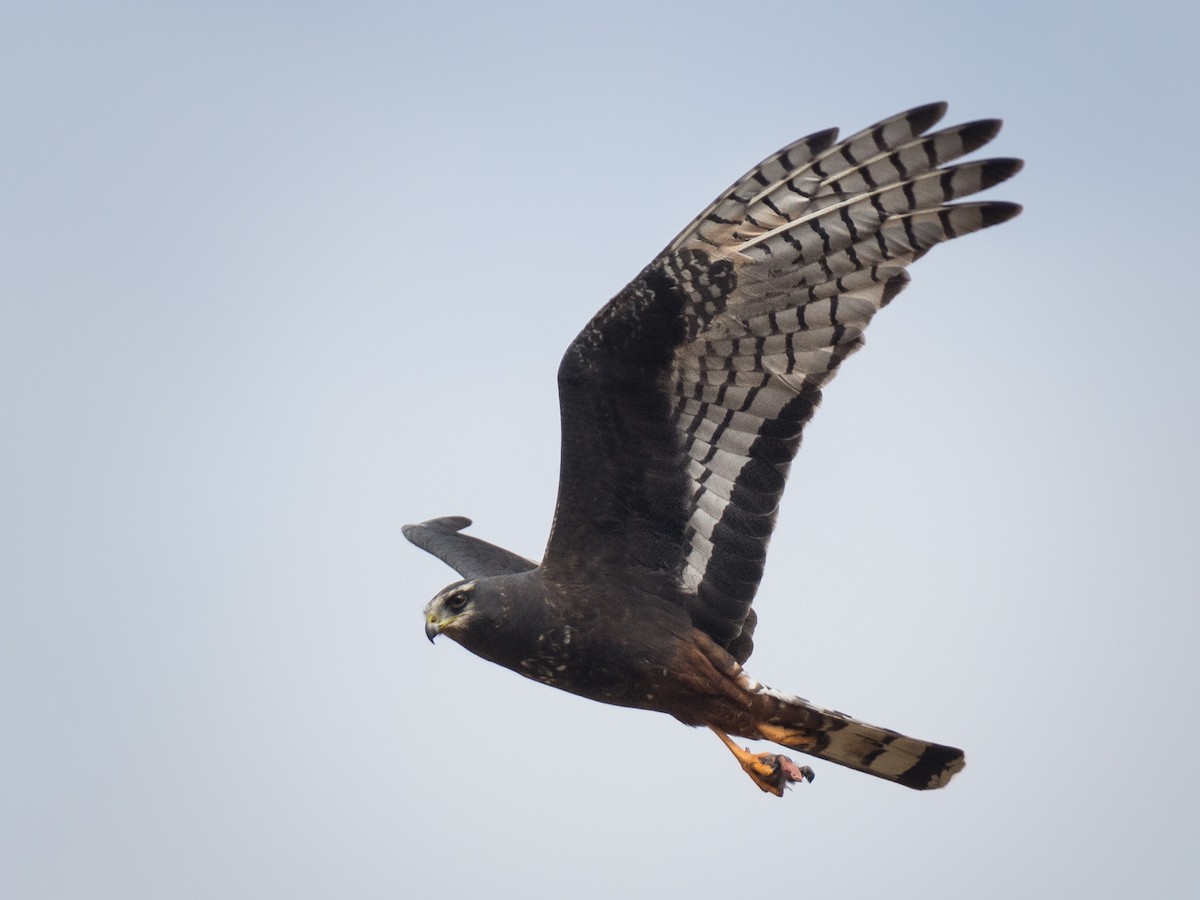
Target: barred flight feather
x=698, y=379
x=818, y=236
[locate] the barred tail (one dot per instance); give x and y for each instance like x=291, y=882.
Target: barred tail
x=834, y=736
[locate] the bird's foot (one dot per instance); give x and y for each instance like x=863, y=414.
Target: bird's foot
x=772, y=772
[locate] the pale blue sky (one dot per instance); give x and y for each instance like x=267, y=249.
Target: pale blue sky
x=278, y=278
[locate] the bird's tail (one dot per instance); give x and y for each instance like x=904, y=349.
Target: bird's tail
x=797, y=724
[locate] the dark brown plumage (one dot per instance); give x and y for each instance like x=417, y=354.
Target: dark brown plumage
x=683, y=403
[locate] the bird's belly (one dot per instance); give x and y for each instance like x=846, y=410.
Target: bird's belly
x=615, y=677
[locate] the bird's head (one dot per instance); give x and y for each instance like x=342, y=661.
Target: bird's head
x=451, y=610
x=498, y=617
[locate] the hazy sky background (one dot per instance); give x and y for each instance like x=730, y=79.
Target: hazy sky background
x=278, y=278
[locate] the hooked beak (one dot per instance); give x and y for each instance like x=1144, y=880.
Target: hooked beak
x=432, y=627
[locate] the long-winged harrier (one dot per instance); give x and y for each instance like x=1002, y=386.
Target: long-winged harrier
x=682, y=405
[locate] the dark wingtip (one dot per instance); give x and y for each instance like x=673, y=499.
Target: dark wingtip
x=999, y=211
x=443, y=523
x=466, y=554
x=994, y=171
x=894, y=286
x=975, y=134
x=820, y=141
x=922, y=118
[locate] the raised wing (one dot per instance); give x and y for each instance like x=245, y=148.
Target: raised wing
x=684, y=399
x=469, y=556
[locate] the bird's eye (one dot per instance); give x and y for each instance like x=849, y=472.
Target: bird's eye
x=455, y=602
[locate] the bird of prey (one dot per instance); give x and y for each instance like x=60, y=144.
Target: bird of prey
x=682, y=404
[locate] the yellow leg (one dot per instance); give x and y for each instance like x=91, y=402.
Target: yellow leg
x=770, y=771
